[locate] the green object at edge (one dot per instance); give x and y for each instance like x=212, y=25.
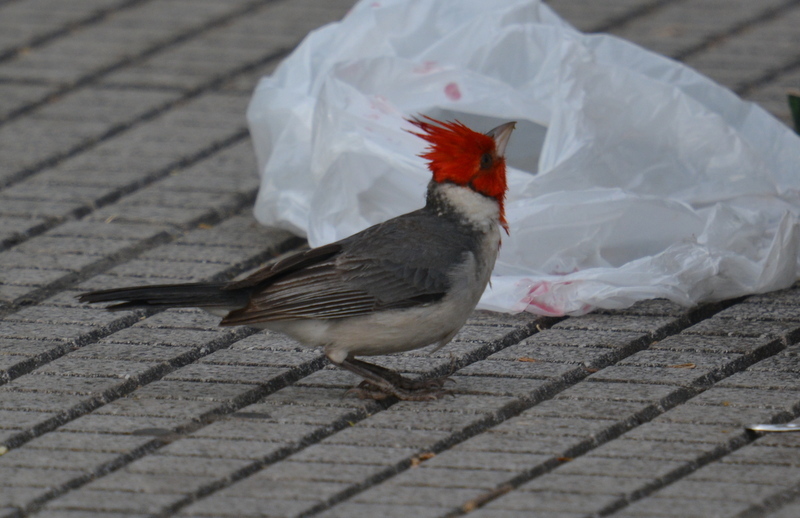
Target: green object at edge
x=794, y=107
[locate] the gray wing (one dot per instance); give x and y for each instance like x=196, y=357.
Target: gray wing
x=402, y=263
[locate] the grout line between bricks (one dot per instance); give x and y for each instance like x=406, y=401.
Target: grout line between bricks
x=680, y=396
x=159, y=442
x=341, y=424
x=124, y=323
x=771, y=504
x=765, y=16
x=209, y=86
x=250, y=397
x=92, y=19
x=633, y=14
x=108, y=262
x=93, y=336
x=732, y=445
x=130, y=60
x=769, y=76
x=510, y=410
x=514, y=408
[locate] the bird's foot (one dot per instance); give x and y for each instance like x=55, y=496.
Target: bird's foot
x=427, y=390
x=380, y=383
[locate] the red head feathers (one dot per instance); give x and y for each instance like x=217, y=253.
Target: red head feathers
x=465, y=157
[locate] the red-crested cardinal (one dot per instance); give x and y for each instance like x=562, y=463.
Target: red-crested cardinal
x=407, y=283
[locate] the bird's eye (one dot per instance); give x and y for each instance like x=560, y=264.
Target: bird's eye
x=486, y=161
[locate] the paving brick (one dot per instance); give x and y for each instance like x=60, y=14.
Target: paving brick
x=257, y=486
x=368, y=510
x=318, y=471
x=530, y=422
x=168, y=271
x=116, y=424
x=151, y=185
x=149, y=483
x=236, y=355
x=182, y=318
x=410, y=420
x=193, y=466
x=761, y=453
x=488, y=460
x=583, y=484
x=195, y=253
x=60, y=385
x=11, y=498
x=179, y=390
x=631, y=374
x=545, y=446
x=34, y=277
x=429, y=496
x=121, y=501
x=463, y=404
x=426, y=476
x=550, y=501
x=707, y=490
x=654, y=506
x=19, y=419
x=37, y=477
x=54, y=245
x=757, y=312
x=492, y=512
x=354, y=454
x=214, y=448
x=521, y=369
x=767, y=380
x=492, y=386
x=238, y=506
x=595, y=389
x=37, y=402
x=600, y=322
x=131, y=352
x=662, y=430
x=731, y=416
x=245, y=429
x=788, y=511
x=170, y=408
x=182, y=217
x=166, y=337
x=585, y=409
x=66, y=263
x=226, y=374
x=724, y=327
x=88, y=442
x=672, y=450
x=744, y=398
x=712, y=343
x=85, y=513
x=37, y=208
x=55, y=459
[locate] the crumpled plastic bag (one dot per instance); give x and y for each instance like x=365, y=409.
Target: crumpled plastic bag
x=631, y=175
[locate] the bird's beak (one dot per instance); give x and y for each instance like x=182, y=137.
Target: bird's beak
x=501, y=135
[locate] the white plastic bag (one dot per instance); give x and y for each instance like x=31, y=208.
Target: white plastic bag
x=632, y=176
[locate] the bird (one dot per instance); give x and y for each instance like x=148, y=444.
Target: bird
x=403, y=284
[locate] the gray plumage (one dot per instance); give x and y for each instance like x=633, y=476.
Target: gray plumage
x=406, y=283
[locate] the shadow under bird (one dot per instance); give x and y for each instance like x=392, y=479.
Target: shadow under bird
x=404, y=284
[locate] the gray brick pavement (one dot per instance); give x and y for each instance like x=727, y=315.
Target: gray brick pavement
x=126, y=160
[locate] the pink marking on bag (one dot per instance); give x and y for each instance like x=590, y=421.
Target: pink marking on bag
x=452, y=91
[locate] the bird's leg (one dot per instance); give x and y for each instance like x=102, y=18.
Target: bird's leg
x=380, y=382
x=398, y=380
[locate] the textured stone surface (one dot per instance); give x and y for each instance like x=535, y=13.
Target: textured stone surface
x=127, y=161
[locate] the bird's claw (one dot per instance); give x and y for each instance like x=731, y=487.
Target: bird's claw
x=429, y=390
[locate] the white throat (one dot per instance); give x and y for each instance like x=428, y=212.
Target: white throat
x=481, y=211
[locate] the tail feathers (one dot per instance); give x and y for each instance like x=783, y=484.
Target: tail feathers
x=201, y=295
